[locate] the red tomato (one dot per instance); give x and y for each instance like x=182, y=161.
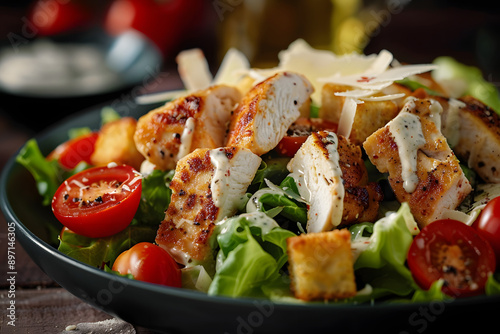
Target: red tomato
x=98, y=202
x=52, y=17
x=488, y=225
x=149, y=263
x=164, y=22
x=72, y=152
x=298, y=133
x=451, y=250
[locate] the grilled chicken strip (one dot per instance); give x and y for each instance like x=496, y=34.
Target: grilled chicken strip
x=332, y=177
x=423, y=170
x=208, y=186
x=266, y=112
x=199, y=120
x=478, y=142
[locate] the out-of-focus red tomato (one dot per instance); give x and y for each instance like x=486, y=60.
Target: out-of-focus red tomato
x=164, y=22
x=51, y=17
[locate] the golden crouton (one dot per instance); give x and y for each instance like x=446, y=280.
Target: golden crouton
x=321, y=265
x=116, y=144
x=370, y=115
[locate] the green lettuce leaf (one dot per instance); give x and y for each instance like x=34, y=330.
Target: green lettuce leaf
x=466, y=80
x=252, y=253
x=48, y=174
x=99, y=252
x=493, y=285
x=434, y=293
x=281, y=202
x=381, y=265
x=271, y=168
x=155, y=198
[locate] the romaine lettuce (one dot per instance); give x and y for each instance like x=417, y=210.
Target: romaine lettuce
x=381, y=264
x=251, y=256
x=98, y=252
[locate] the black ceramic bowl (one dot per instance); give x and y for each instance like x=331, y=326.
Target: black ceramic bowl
x=184, y=311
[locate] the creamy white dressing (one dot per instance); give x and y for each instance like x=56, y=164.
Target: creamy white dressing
x=436, y=109
x=218, y=184
x=406, y=130
x=186, y=138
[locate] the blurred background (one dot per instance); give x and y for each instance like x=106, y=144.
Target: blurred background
x=58, y=57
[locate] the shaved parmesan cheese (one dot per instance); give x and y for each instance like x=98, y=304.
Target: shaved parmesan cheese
x=233, y=67
x=383, y=97
x=160, y=96
x=356, y=93
x=314, y=64
x=193, y=69
x=347, y=117
x=378, y=81
x=381, y=63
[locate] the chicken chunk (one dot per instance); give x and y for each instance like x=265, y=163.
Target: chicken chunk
x=266, y=112
x=199, y=120
x=370, y=115
x=423, y=170
x=321, y=265
x=479, y=140
x=115, y=143
x=332, y=177
x=208, y=186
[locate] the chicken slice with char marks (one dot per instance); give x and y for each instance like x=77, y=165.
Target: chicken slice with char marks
x=199, y=120
x=266, y=112
x=332, y=177
x=208, y=186
x=478, y=143
x=423, y=170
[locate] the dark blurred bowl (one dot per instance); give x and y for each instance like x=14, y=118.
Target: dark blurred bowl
x=130, y=58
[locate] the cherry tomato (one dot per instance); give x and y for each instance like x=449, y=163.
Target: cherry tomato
x=149, y=263
x=451, y=250
x=98, y=202
x=54, y=17
x=488, y=225
x=298, y=133
x=72, y=152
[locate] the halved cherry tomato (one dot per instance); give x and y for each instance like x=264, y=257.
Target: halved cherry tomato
x=72, y=152
x=298, y=133
x=451, y=250
x=98, y=202
x=149, y=263
x=488, y=225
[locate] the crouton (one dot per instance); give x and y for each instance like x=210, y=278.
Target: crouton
x=321, y=265
x=116, y=144
x=370, y=115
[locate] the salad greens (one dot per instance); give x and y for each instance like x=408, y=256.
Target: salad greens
x=101, y=252
x=461, y=79
x=48, y=174
x=251, y=256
